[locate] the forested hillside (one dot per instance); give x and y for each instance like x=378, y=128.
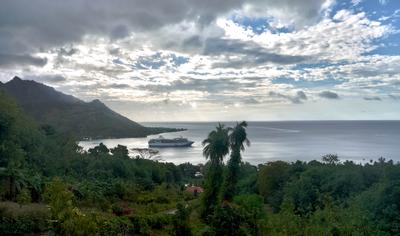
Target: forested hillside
x=73, y=116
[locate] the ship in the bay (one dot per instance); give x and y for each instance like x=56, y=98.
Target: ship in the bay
x=174, y=142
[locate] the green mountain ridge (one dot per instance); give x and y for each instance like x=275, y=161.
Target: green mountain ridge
x=71, y=115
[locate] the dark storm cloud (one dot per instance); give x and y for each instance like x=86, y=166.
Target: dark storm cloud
x=372, y=98
x=253, y=54
x=296, y=99
x=120, y=31
x=10, y=60
x=328, y=95
x=30, y=25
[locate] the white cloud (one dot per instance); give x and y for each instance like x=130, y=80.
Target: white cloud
x=345, y=37
x=356, y=2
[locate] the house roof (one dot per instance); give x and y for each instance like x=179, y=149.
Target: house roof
x=193, y=189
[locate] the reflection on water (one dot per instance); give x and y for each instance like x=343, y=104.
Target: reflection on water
x=289, y=141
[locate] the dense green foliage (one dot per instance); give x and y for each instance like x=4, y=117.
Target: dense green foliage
x=333, y=198
x=82, y=188
x=50, y=185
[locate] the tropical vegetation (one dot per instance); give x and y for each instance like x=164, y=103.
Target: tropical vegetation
x=49, y=185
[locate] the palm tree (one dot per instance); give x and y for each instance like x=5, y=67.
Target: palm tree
x=216, y=147
x=35, y=184
x=15, y=179
x=237, y=141
x=13, y=172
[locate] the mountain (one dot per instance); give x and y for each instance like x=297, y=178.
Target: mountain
x=71, y=115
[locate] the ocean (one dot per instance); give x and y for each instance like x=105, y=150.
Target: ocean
x=359, y=141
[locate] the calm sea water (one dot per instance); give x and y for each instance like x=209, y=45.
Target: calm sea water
x=359, y=141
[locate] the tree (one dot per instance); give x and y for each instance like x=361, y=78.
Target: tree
x=272, y=179
x=120, y=151
x=216, y=147
x=237, y=141
x=230, y=219
x=13, y=172
x=331, y=159
x=35, y=183
x=101, y=149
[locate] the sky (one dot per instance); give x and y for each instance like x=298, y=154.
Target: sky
x=211, y=60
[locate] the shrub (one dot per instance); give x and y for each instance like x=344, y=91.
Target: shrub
x=24, y=197
x=67, y=219
x=115, y=226
x=16, y=220
x=181, y=221
x=142, y=224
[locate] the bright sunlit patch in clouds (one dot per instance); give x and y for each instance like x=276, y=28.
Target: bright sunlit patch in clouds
x=193, y=105
x=224, y=60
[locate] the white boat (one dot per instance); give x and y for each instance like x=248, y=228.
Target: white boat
x=165, y=142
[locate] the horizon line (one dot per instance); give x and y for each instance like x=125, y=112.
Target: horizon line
x=311, y=120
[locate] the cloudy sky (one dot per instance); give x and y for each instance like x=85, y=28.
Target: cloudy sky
x=191, y=60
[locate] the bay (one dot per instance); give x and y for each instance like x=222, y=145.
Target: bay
x=359, y=141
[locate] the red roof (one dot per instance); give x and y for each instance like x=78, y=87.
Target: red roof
x=194, y=189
